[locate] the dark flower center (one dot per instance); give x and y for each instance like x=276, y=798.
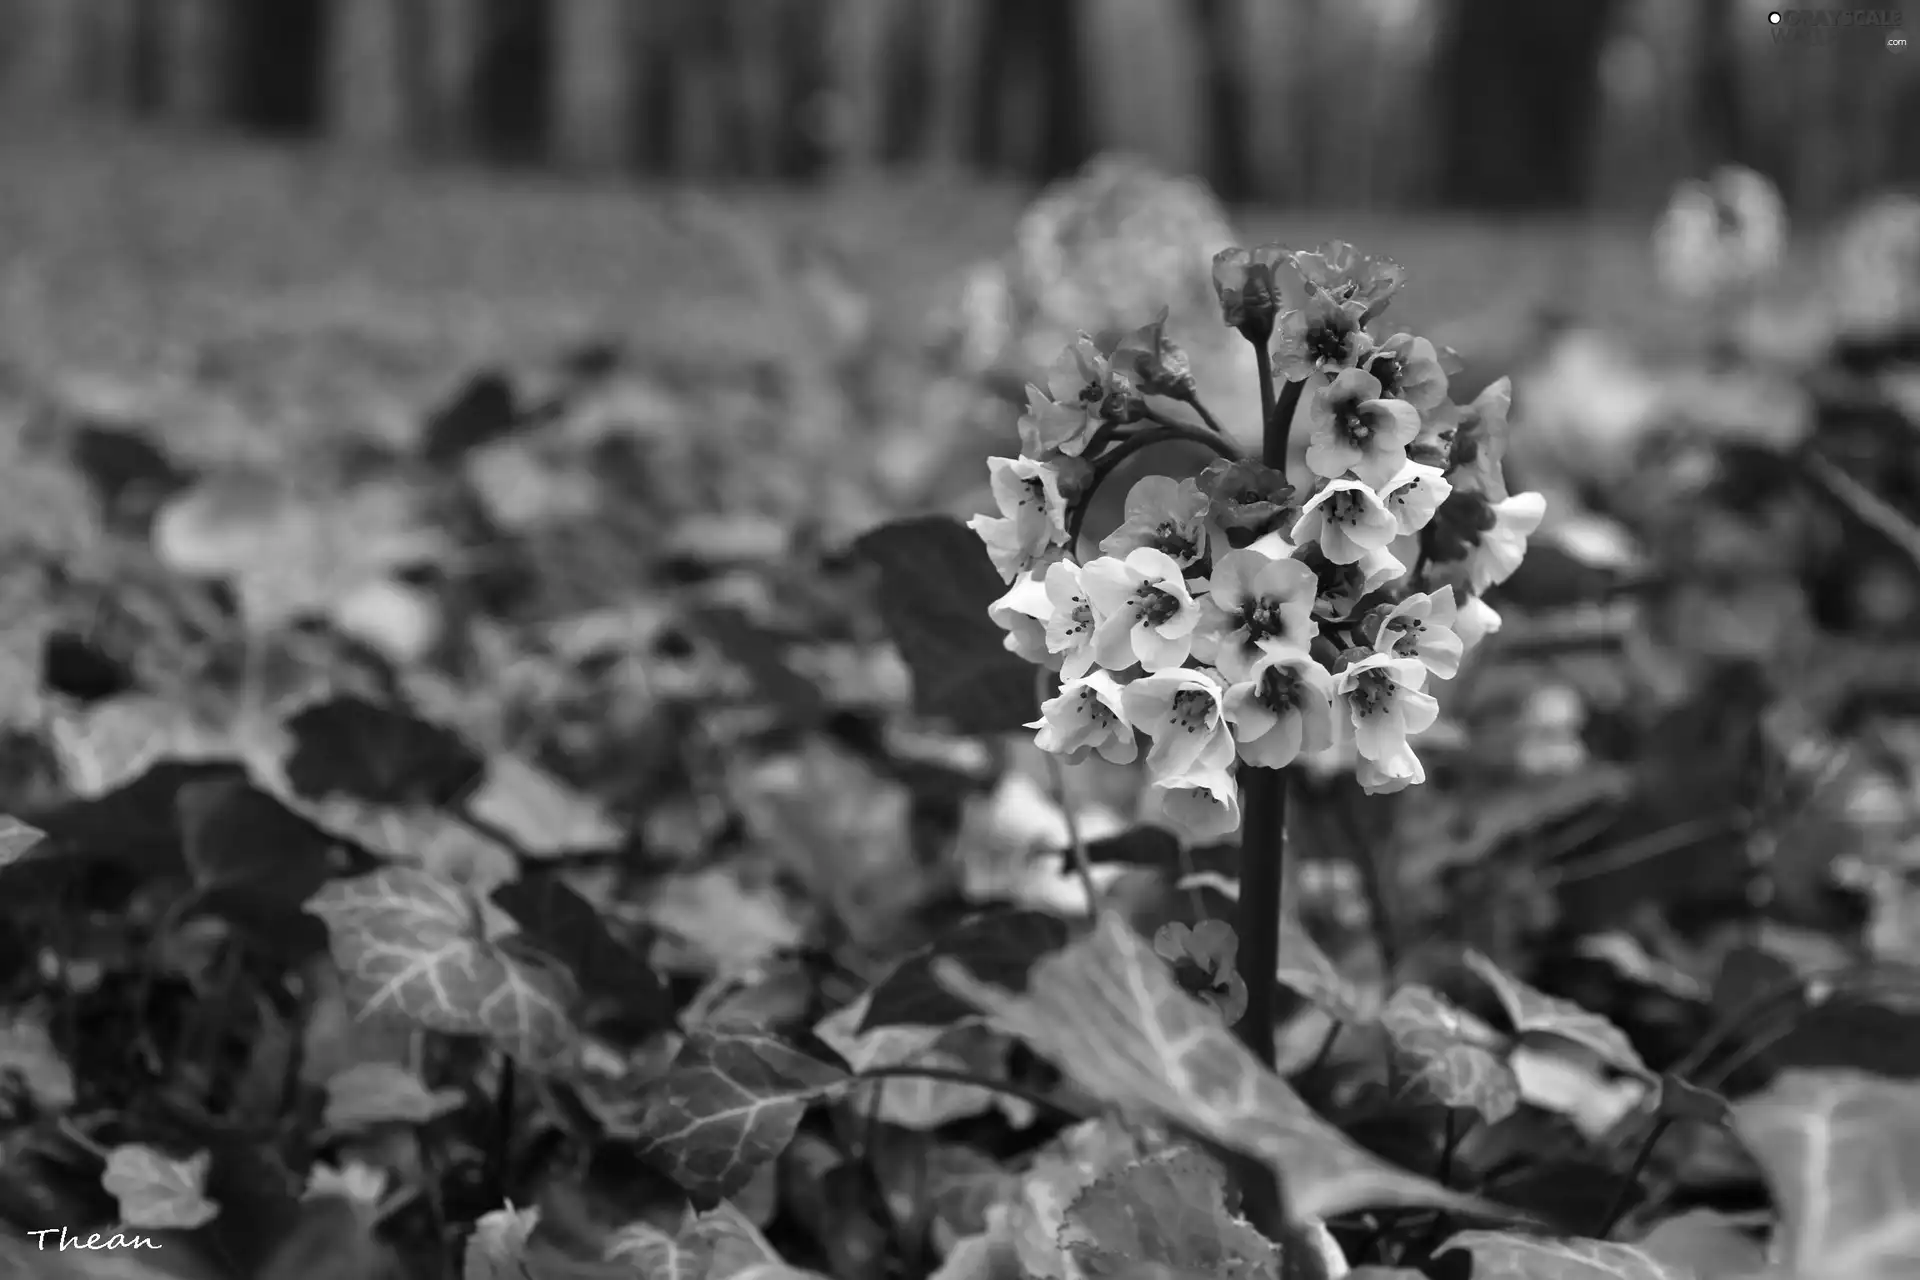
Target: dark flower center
x=1372, y=692
x=1192, y=710
x=1407, y=644
x=1389, y=370
x=1154, y=605
x=1092, y=393
x=1279, y=690
x=1176, y=542
x=1262, y=620
x=1096, y=711
x=1036, y=491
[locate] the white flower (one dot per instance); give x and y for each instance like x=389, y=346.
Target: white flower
x=1348, y=519
x=1145, y=611
x=1201, y=806
x=1400, y=770
x=1254, y=605
x=1166, y=514
x=1063, y=415
x=1382, y=706
x=1086, y=716
x=1181, y=710
x=1355, y=428
x=1422, y=627
x=1342, y=589
x=1023, y=613
x=1283, y=708
x=1720, y=233
x=1502, y=548
x=1070, y=620
x=1414, y=495
x=1032, y=524
x=1475, y=621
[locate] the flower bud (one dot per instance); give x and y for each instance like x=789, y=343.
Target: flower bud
x=1155, y=362
x=1249, y=296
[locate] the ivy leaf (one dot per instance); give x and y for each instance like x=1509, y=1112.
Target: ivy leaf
x=377, y=1093
x=998, y=946
x=17, y=839
x=1171, y=1211
x=1841, y=1153
x=1454, y=1057
x=1534, y=1013
x=1501, y=1255
x=661, y=1255
x=1706, y=1241
x=1107, y=1011
x=541, y=814
x=936, y=582
x=159, y=1191
x=497, y=1249
x=1308, y=971
x=414, y=946
x=730, y=1102
x=557, y=919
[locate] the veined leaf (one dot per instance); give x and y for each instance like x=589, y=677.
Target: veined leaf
x=1841, y=1153
x=1536, y=1013
x=1169, y=1210
x=1107, y=1011
x=1454, y=1057
x=1502, y=1255
x=996, y=946
x=414, y=946
x=1306, y=969
x=730, y=1102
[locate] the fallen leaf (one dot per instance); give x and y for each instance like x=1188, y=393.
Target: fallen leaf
x=27, y=1052
x=1501, y=1255
x=1534, y=1013
x=730, y=1102
x=541, y=814
x=1169, y=1211
x=1454, y=1058
x=920, y=1103
x=1841, y=1153
x=156, y=1190
x=1106, y=1011
x=413, y=945
x=1706, y=1241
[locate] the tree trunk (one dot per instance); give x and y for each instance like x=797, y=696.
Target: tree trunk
x=511, y=95
x=1223, y=72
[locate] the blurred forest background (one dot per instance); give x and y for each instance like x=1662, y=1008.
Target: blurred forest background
x=1350, y=104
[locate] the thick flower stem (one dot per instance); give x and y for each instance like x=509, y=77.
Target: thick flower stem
x=1263, y=874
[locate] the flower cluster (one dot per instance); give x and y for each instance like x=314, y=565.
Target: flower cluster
x=1231, y=620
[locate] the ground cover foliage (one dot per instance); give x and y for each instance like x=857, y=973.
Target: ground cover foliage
x=587, y=826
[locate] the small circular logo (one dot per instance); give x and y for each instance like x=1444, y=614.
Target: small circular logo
x=1774, y=17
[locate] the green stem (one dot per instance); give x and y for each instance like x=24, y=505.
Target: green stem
x=1057, y=792
x=1624, y=1195
x=1200, y=408
x=1263, y=845
x=1160, y=433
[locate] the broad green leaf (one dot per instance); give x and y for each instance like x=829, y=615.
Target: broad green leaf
x=730, y=1102
x=1107, y=1011
x=1708, y=1242
x=1307, y=970
x=998, y=946
x=17, y=839
x=935, y=585
x=497, y=1249
x=1454, y=1058
x=919, y=1103
x=434, y=841
x=661, y=1255
x=376, y=1093
x=414, y=946
x=1502, y=1255
x=1841, y=1153
x=1536, y=1013
x=157, y=1190
x=540, y=813
x=103, y=747
x=1171, y=1211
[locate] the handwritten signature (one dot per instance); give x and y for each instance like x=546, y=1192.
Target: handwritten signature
x=94, y=1241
